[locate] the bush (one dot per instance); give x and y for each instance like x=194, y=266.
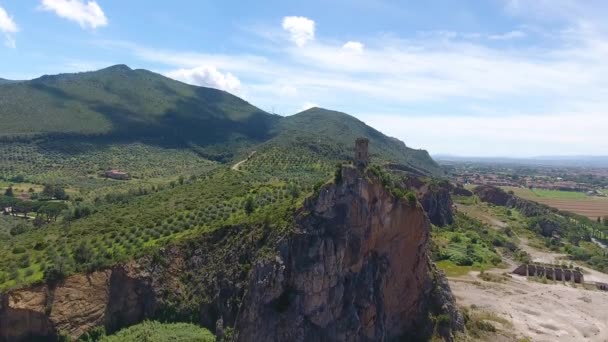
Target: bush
x=411, y=198
x=53, y=274
x=18, y=250
x=443, y=320
x=18, y=229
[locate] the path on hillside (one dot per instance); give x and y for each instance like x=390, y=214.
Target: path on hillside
x=236, y=166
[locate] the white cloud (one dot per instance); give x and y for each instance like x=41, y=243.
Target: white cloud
x=288, y=90
x=207, y=76
x=307, y=106
x=464, y=74
x=521, y=135
x=8, y=27
x=353, y=46
x=87, y=15
x=509, y=35
x=300, y=29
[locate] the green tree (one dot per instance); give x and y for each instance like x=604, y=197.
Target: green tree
x=249, y=205
x=83, y=254
x=52, y=210
x=9, y=192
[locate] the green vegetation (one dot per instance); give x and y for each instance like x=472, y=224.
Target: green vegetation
x=127, y=225
x=558, y=194
x=466, y=245
x=483, y=324
x=60, y=133
x=152, y=331
x=559, y=231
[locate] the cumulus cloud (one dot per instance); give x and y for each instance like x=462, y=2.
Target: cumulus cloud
x=300, y=29
x=8, y=27
x=353, y=46
x=87, y=15
x=207, y=76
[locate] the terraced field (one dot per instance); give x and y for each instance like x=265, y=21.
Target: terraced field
x=579, y=203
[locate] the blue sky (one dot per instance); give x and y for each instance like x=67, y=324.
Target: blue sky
x=484, y=78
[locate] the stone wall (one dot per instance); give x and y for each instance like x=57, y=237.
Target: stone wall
x=550, y=272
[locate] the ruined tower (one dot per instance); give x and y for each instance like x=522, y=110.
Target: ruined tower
x=361, y=153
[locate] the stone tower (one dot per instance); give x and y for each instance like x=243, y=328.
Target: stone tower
x=361, y=153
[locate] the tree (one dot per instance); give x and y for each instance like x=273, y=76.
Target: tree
x=293, y=191
x=54, y=191
x=9, y=192
x=83, y=254
x=249, y=205
x=52, y=210
x=18, y=229
x=56, y=272
x=606, y=221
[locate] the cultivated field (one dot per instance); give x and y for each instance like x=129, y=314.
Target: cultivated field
x=576, y=202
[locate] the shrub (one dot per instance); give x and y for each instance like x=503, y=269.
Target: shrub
x=18, y=250
x=443, y=320
x=411, y=198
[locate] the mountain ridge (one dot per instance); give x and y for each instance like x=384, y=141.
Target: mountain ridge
x=120, y=104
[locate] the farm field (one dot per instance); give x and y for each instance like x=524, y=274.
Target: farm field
x=579, y=203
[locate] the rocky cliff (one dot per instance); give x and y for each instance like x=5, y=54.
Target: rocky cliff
x=437, y=202
x=201, y=281
x=354, y=267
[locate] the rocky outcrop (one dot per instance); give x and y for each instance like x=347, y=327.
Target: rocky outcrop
x=355, y=269
x=201, y=281
x=498, y=196
x=459, y=190
x=438, y=205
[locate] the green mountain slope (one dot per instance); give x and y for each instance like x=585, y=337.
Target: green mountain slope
x=333, y=133
x=85, y=119
x=121, y=103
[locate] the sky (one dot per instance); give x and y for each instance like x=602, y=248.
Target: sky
x=514, y=78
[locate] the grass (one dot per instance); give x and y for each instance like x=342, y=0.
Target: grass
x=486, y=325
x=466, y=245
x=557, y=194
x=152, y=331
x=575, y=202
x=453, y=270
x=545, y=193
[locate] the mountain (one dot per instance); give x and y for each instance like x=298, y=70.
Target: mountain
x=336, y=132
x=122, y=105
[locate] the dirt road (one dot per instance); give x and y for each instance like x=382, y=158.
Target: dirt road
x=540, y=312
x=237, y=166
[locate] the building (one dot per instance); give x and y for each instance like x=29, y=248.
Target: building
x=361, y=152
x=117, y=174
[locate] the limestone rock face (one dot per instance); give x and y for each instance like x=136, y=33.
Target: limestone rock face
x=80, y=303
x=23, y=315
x=74, y=306
x=438, y=205
x=355, y=269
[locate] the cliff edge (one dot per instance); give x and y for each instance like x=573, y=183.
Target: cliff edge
x=355, y=269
